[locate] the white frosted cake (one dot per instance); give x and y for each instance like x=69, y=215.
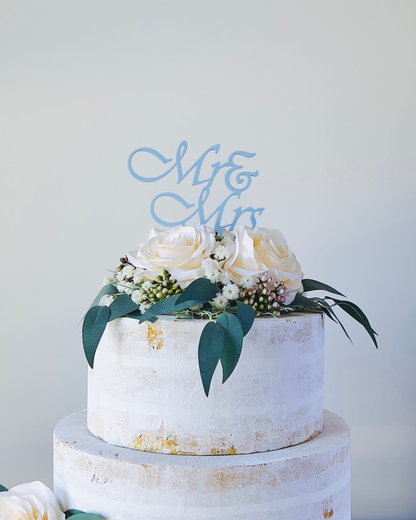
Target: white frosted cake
x=145, y=390
x=205, y=387
x=263, y=428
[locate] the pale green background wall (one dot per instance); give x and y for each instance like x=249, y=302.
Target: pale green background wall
x=323, y=91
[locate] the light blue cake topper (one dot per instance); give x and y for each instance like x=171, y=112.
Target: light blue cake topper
x=240, y=183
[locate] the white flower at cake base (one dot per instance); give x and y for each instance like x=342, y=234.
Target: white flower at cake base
x=32, y=501
x=220, y=252
x=128, y=271
x=138, y=276
x=247, y=281
x=125, y=287
x=179, y=250
x=212, y=269
x=220, y=301
x=144, y=307
x=231, y=291
x=225, y=277
x=146, y=286
x=137, y=296
x=259, y=250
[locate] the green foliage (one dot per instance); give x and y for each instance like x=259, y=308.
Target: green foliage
x=233, y=343
x=72, y=512
x=2, y=488
x=304, y=303
x=106, y=290
x=122, y=306
x=246, y=315
x=93, y=328
x=201, y=290
x=355, y=312
x=198, y=292
x=210, y=348
x=327, y=309
x=314, y=285
x=80, y=515
x=221, y=340
x=168, y=306
x=137, y=315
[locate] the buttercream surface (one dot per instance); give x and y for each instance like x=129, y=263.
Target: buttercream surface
x=145, y=390
x=310, y=481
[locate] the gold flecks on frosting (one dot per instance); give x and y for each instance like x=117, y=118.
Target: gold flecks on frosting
x=328, y=511
x=154, y=338
x=219, y=451
x=160, y=444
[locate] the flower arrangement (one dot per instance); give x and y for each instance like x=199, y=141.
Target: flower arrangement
x=228, y=279
x=35, y=501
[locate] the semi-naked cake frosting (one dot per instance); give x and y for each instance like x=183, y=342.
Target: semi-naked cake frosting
x=145, y=390
x=206, y=356
x=258, y=447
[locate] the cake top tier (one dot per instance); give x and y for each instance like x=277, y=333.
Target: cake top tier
x=224, y=275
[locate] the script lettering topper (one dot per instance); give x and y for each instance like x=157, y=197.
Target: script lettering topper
x=236, y=182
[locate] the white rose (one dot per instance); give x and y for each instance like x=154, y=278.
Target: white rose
x=180, y=250
x=258, y=250
x=33, y=501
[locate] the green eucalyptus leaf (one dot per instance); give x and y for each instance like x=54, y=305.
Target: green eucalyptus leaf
x=72, y=512
x=355, y=312
x=168, y=306
x=314, y=285
x=210, y=347
x=165, y=306
x=93, y=328
x=329, y=311
x=122, y=306
x=304, y=302
x=201, y=290
x=233, y=343
x=137, y=315
x=107, y=289
x=80, y=515
x=246, y=315
x=2, y=488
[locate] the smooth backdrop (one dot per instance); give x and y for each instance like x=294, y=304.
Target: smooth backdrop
x=322, y=90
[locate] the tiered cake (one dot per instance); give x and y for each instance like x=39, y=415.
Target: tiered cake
x=206, y=355
x=153, y=446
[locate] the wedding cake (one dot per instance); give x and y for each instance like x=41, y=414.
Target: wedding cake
x=265, y=447
x=205, y=379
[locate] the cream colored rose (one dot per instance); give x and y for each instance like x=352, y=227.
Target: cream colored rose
x=180, y=250
x=33, y=501
x=258, y=250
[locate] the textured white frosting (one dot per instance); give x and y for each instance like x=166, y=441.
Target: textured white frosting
x=306, y=482
x=145, y=390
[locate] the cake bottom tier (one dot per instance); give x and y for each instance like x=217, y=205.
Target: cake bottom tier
x=310, y=481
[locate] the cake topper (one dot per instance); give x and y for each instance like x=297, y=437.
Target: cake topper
x=236, y=181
